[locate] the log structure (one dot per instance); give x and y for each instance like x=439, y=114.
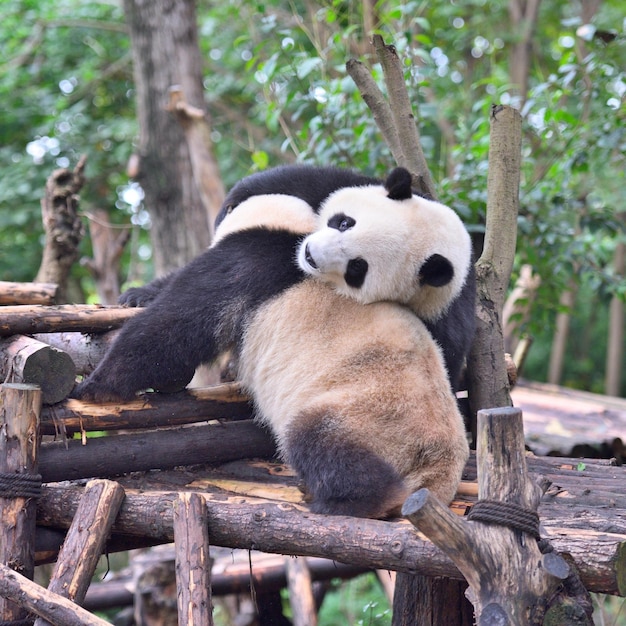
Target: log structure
x=20, y=484
x=26, y=360
x=27, y=293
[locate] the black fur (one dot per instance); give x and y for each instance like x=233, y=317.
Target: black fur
x=309, y=183
x=437, y=271
x=398, y=184
x=200, y=312
x=356, y=272
x=341, y=478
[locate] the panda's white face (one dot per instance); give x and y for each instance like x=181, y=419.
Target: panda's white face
x=374, y=248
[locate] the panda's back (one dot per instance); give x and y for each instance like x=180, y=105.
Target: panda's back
x=309, y=341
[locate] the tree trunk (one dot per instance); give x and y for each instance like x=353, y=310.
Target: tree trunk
x=166, y=53
x=523, y=15
x=559, y=341
x=615, y=353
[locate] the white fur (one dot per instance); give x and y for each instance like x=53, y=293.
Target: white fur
x=272, y=211
x=395, y=237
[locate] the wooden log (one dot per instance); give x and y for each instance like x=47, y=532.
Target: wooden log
x=193, y=564
x=26, y=360
x=150, y=410
x=301, y=597
x=27, y=293
x=85, y=541
x=277, y=527
x=86, y=350
x=87, y=318
x=19, y=417
x=404, y=118
x=56, y=609
x=166, y=448
x=510, y=579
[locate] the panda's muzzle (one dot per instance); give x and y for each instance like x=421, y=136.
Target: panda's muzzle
x=309, y=258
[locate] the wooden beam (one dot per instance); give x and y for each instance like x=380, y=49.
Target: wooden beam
x=85, y=541
x=161, y=449
x=239, y=521
x=56, y=609
x=150, y=410
x=87, y=318
x=27, y=293
x=193, y=565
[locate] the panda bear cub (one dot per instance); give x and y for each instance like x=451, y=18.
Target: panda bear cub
x=349, y=381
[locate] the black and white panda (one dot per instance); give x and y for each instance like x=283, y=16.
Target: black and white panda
x=350, y=381
x=452, y=328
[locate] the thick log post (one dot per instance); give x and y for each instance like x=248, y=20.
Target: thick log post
x=193, y=565
x=56, y=609
x=301, y=597
x=26, y=360
x=510, y=580
x=20, y=406
x=85, y=541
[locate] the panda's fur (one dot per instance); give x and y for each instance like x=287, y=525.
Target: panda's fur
x=357, y=398
x=201, y=310
x=453, y=329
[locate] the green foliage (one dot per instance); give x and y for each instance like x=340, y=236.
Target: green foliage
x=278, y=91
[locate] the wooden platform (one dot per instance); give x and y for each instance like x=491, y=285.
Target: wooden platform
x=258, y=504
x=558, y=420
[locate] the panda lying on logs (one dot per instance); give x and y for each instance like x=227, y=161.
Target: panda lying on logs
x=200, y=311
x=357, y=395
x=452, y=327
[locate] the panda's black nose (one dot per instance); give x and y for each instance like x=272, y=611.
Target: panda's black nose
x=309, y=259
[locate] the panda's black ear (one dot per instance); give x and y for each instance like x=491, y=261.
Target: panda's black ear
x=437, y=271
x=398, y=184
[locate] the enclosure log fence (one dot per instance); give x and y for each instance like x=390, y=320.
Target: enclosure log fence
x=20, y=484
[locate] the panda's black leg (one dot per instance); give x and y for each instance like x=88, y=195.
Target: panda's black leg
x=341, y=477
x=151, y=351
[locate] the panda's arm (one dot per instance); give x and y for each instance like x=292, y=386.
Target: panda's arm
x=197, y=315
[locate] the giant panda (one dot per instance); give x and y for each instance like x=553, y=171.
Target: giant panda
x=202, y=309
x=348, y=379
x=452, y=328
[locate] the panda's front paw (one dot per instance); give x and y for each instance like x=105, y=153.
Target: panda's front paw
x=91, y=391
x=137, y=296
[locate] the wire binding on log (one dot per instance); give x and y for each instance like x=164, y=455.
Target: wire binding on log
x=20, y=486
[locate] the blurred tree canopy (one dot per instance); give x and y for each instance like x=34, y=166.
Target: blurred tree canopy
x=277, y=91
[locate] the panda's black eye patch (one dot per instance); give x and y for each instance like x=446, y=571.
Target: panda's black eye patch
x=341, y=222
x=356, y=272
